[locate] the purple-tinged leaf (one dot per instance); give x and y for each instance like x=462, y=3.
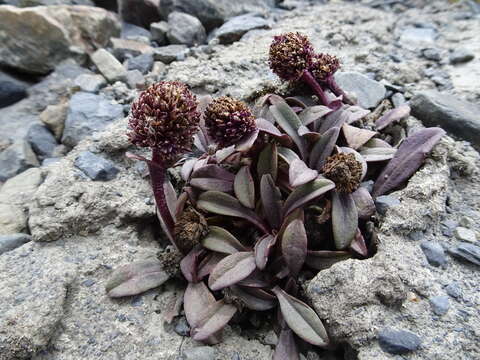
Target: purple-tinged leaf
x=212, y=184
x=208, y=263
x=231, y=270
x=197, y=299
x=356, y=113
x=393, y=115
x=321, y=260
x=173, y=307
x=136, y=278
x=199, y=164
x=358, y=245
x=262, y=250
x=376, y=143
x=286, y=348
x=245, y=143
x=222, y=154
x=294, y=246
x=223, y=204
x=408, y=158
x=335, y=119
x=295, y=101
x=301, y=319
x=378, y=154
x=257, y=279
x=213, y=171
x=180, y=204
x=299, y=173
x=271, y=201
x=323, y=148
x=305, y=193
x=313, y=113
x=260, y=108
x=189, y=264
x=358, y=157
x=270, y=129
x=217, y=316
x=287, y=154
x=289, y=122
x=355, y=136
x=244, y=187
x=344, y=219
x=268, y=161
x=251, y=301
x=220, y=240
x=187, y=169
x=364, y=203
x=136, y=157
x=170, y=197
x=308, y=134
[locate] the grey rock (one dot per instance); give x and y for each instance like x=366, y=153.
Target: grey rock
x=398, y=99
x=133, y=32
x=448, y=227
x=236, y=27
x=16, y=158
x=454, y=290
x=54, y=118
x=434, y=253
x=124, y=49
x=49, y=161
x=142, y=63
x=88, y=113
x=432, y=54
x=18, y=190
x=181, y=327
x=385, y=202
x=90, y=82
x=139, y=12
x=12, y=219
x=464, y=234
x=135, y=79
x=185, y=29
x=11, y=90
x=170, y=53
x=41, y=140
x=460, y=56
x=96, y=167
x=466, y=251
x=368, y=92
x=108, y=65
x=23, y=3
x=13, y=241
x=440, y=305
x=398, y=341
x=159, y=31
x=446, y=110
x=199, y=353
x=415, y=37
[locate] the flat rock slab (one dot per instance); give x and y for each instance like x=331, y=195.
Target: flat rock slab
x=369, y=92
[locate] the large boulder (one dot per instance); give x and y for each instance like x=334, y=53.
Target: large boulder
x=36, y=39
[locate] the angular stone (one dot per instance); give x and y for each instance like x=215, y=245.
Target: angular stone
x=142, y=63
x=54, y=117
x=440, y=305
x=88, y=113
x=398, y=341
x=12, y=219
x=468, y=252
x=110, y=67
x=460, y=56
x=185, y=29
x=385, y=202
x=416, y=37
x=464, y=234
x=236, y=27
x=139, y=12
x=135, y=79
x=96, y=167
x=368, y=92
x=159, y=31
x=11, y=90
x=446, y=110
x=454, y=290
x=134, y=32
x=41, y=140
x=19, y=189
x=124, y=49
x=432, y=54
x=167, y=54
x=434, y=253
x=13, y=241
x=90, y=82
x=199, y=353
x=16, y=158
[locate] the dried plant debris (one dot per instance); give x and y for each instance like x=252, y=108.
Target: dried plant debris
x=270, y=195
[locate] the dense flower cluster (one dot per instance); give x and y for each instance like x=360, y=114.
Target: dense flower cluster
x=324, y=65
x=345, y=171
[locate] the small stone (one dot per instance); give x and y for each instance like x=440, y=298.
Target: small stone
x=158, y=68
x=142, y=63
x=159, y=31
x=270, y=338
x=398, y=99
x=448, y=227
x=368, y=92
x=96, y=167
x=467, y=222
x=236, y=27
x=466, y=251
x=11, y=90
x=432, y=54
x=460, y=56
x=167, y=54
x=88, y=283
x=134, y=32
x=41, y=140
x=384, y=202
x=110, y=67
x=12, y=219
x=181, y=327
x=199, y=353
x=13, y=241
x=464, y=234
x=414, y=37
x=124, y=49
x=54, y=117
x=440, y=305
x=398, y=341
x=135, y=79
x=16, y=158
x=434, y=253
x=185, y=29
x=19, y=190
x=90, y=82
x=453, y=289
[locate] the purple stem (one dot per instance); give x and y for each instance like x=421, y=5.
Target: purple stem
x=317, y=89
x=332, y=84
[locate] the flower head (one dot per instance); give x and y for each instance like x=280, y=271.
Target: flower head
x=228, y=120
x=164, y=117
x=345, y=171
x=324, y=65
x=290, y=55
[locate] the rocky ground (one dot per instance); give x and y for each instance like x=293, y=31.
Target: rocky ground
x=72, y=207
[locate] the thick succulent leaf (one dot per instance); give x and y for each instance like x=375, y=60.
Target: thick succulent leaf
x=358, y=245
x=269, y=128
x=244, y=187
x=294, y=246
x=323, y=148
x=188, y=265
x=344, y=219
x=305, y=193
x=268, y=161
x=301, y=319
x=212, y=184
x=313, y=113
x=378, y=154
x=355, y=136
x=200, y=163
x=223, y=204
x=220, y=240
x=213, y=171
x=286, y=348
x=393, y=115
x=257, y=279
x=320, y=260
x=174, y=307
x=260, y=108
x=296, y=101
x=409, y=157
x=245, y=143
x=231, y=270
x=217, y=316
x=271, y=201
x=356, y=113
x=196, y=300
x=358, y=157
x=187, y=169
x=222, y=154
x=335, y=119
x=289, y=122
x=208, y=264
x=376, y=143
x=251, y=301
x=308, y=134
x=287, y=154
x=170, y=197
x=299, y=173
x=135, y=278
x=364, y=203
x=262, y=250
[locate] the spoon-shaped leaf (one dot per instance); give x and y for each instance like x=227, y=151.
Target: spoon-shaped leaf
x=246, y=142
x=268, y=161
x=294, y=246
x=231, y=270
x=217, y=316
x=378, y=154
x=220, y=240
x=287, y=154
x=269, y=128
x=364, y=203
x=301, y=319
x=251, y=301
x=355, y=136
x=299, y=173
x=187, y=169
x=323, y=148
x=320, y=260
x=208, y=263
x=213, y=171
x=305, y=193
x=262, y=250
x=271, y=200
x=313, y=113
x=393, y=115
x=335, y=119
x=212, y=184
x=196, y=300
x=376, y=143
x=358, y=244
x=244, y=187
x=286, y=348
x=408, y=158
x=344, y=219
x=189, y=263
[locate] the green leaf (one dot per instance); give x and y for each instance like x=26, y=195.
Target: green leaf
x=220, y=240
x=268, y=161
x=344, y=219
x=305, y=193
x=301, y=319
x=244, y=187
x=294, y=246
x=231, y=270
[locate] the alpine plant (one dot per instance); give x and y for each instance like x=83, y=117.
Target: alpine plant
x=272, y=195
